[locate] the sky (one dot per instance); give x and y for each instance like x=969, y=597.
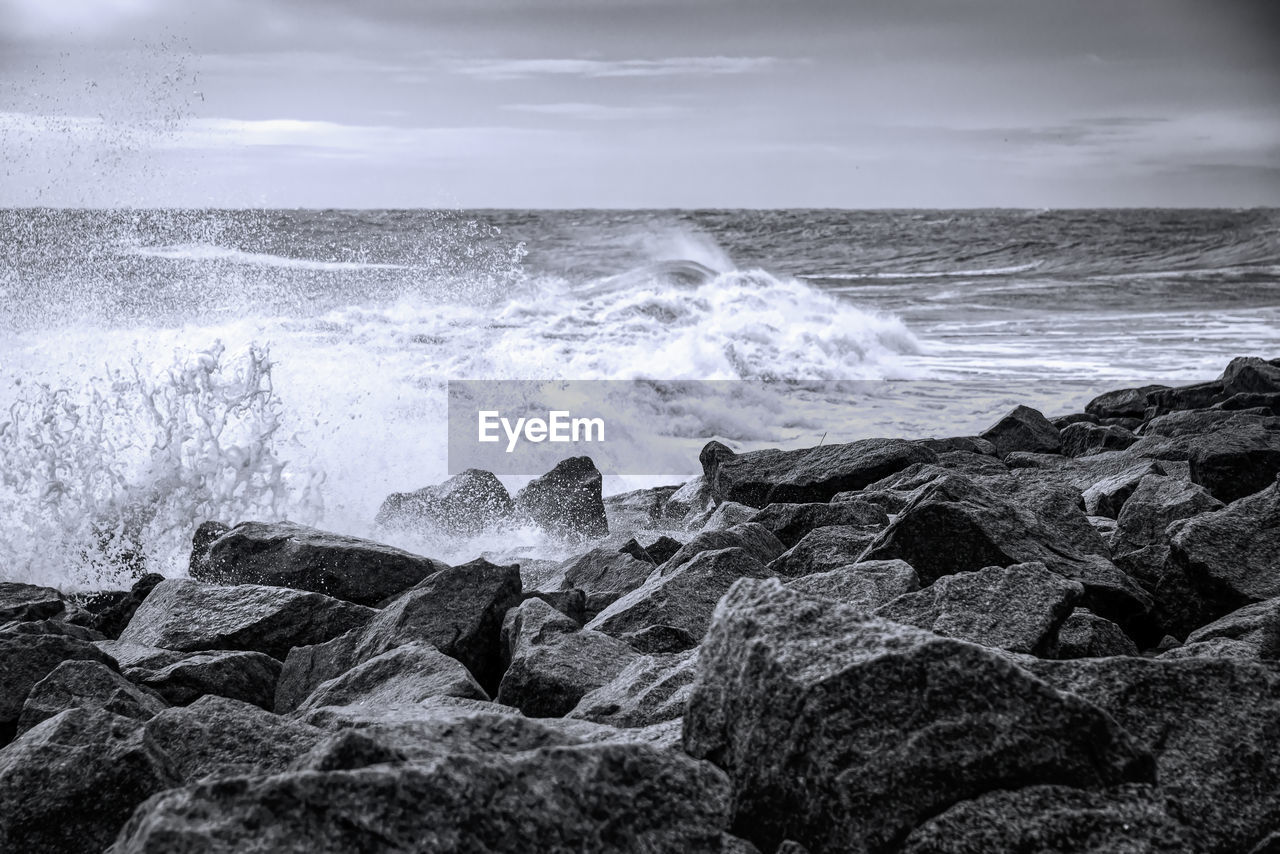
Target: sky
x=640, y=103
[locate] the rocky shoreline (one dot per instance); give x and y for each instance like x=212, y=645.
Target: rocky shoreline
x=1059, y=636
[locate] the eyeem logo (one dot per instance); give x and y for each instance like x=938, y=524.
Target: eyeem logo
x=558, y=426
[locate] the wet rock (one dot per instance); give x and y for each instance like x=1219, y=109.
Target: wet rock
x=863, y=585
x=844, y=732
x=25, y=659
x=1017, y=608
x=110, y=611
x=72, y=781
x=1233, y=463
x=650, y=690
x=638, y=509
x=753, y=538
x=50, y=628
x=283, y=554
x=1080, y=440
x=407, y=674
x=824, y=549
x=690, y=500
x=129, y=655
x=1107, y=496
x=1024, y=429
x=247, y=676
x=1129, y=402
x=600, y=798
x=190, y=616
x=1133, y=818
x=967, y=444
x=28, y=602
x=572, y=603
x=659, y=551
x=725, y=516
x=85, y=684
x=605, y=570
x=1086, y=635
x=566, y=501
x=464, y=505
x=760, y=478
x=1232, y=555
x=791, y=522
x=684, y=599
x=1213, y=726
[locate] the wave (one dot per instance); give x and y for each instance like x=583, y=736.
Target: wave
x=933, y=274
x=211, y=252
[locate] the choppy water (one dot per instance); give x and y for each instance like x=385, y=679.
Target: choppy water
x=161, y=367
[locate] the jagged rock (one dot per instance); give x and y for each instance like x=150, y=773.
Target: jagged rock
x=1213, y=725
x=843, y=731
x=571, y=603
x=218, y=737
x=1232, y=555
x=791, y=522
x=864, y=585
x=824, y=549
x=604, y=570
x=967, y=444
x=1251, y=375
x=85, y=684
x=28, y=602
x=465, y=504
x=1268, y=402
x=690, y=500
x=407, y=674
x=1133, y=818
x=653, y=640
x=1197, y=396
x=1124, y=403
x=1086, y=635
x=566, y=501
x=600, y=798
x=760, y=478
x=753, y=538
x=129, y=655
x=553, y=664
x=638, y=509
x=1156, y=503
x=727, y=515
x=1255, y=627
x=1107, y=496
x=50, y=628
x=25, y=659
x=190, y=616
x=347, y=750
x=247, y=676
x=1212, y=648
x=650, y=690
x=1234, y=462
x=1017, y=608
x=1024, y=429
x=110, y=611
x=684, y=599
x=1080, y=439
x=659, y=551
x=284, y=554
x=69, y=783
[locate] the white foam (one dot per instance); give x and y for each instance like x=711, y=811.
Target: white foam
x=211, y=252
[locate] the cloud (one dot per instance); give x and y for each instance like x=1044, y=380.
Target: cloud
x=603, y=112
x=512, y=69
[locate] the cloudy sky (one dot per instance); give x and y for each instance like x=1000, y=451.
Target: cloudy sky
x=640, y=103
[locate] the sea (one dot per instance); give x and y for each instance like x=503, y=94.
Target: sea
x=163, y=367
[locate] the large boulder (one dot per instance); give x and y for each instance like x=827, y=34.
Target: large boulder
x=567, y=501
x=1156, y=503
x=1255, y=627
x=1024, y=429
x=790, y=522
x=604, y=570
x=284, y=554
x=86, y=684
x=28, y=602
x=600, y=798
x=1107, y=496
x=465, y=504
x=751, y=537
x=70, y=783
x=843, y=731
x=1082, y=439
x=866, y=585
x=25, y=659
x=109, y=611
x=409, y=673
x=1233, y=554
x=650, y=690
x=824, y=549
x=761, y=478
x=1086, y=635
x=1017, y=608
x=1234, y=462
x=1123, y=403
x=247, y=676
x=191, y=616
x=1251, y=375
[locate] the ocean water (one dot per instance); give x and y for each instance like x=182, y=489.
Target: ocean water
x=158, y=368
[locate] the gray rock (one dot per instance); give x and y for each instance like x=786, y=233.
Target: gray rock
x=824, y=549
x=81, y=684
x=1080, y=439
x=755, y=539
x=1251, y=375
x=638, y=509
x=28, y=602
x=347, y=750
x=129, y=655
x=650, y=690
x=1107, y=496
x=566, y=501
x=464, y=505
x=1086, y=635
x=1257, y=626
x=726, y=515
x=284, y=554
x=604, y=570
x=1233, y=555
x=247, y=676
x=1156, y=503
x=654, y=640
x=656, y=552
x=409, y=673
x=190, y=616
x=1129, y=402
x=110, y=611
x=1024, y=429
x=791, y=522
x=863, y=585
x=843, y=731
x=25, y=659
x=1234, y=462
x=1017, y=608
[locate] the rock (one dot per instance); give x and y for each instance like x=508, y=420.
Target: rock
x=967, y=444
x=650, y=690
x=684, y=599
x=1251, y=375
x=464, y=505
x=728, y=514
x=1080, y=440
x=27, y=659
x=1156, y=503
x=844, y=732
x=566, y=501
x=130, y=655
x=110, y=611
x=28, y=602
x=1268, y=403
x=1017, y=608
x=1107, y=496
x=283, y=554
x=760, y=478
x=1086, y=635
x=190, y=616
x=639, y=509
x=863, y=585
x=1213, y=725
x=599, y=798
x=86, y=684
x=690, y=500
x=605, y=570
x=1024, y=429
x=50, y=628
x=346, y=751
x=653, y=640
x=1232, y=555
x=72, y=781
x=1129, y=402
x=1133, y=818
x=554, y=665
x=571, y=603
x=406, y=674
x=655, y=553
x=1233, y=463
x=247, y=676
x=1212, y=648
x=753, y=538
x=1256, y=627
x=791, y=522
x=1197, y=396
x=824, y=549
x=217, y=737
